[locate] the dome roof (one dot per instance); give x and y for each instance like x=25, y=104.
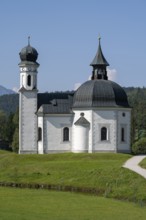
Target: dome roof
x=28, y=53
x=100, y=93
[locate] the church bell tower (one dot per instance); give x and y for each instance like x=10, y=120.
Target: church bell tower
x=99, y=65
x=28, y=134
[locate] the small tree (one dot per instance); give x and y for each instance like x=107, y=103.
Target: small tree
x=15, y=141
x=9, y=129
x=3, y=121
x=139, y=147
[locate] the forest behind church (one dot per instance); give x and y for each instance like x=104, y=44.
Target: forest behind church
x=9, y=119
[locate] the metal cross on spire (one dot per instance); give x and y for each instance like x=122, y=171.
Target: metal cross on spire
x=99, y=37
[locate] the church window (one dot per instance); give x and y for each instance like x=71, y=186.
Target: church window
x=66, y=134
x=123, y=114
x=103, y=134
x=39, y=134
x=122, y=134
x=29, y=80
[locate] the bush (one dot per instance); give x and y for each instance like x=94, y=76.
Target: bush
x=139, y=147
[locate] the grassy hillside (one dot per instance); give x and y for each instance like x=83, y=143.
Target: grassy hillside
x=101, y=174
x=41, y=204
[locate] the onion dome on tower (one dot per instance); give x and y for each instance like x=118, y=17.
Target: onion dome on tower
x=99, y=91
x=28, y=53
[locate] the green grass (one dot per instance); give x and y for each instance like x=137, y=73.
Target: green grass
x=28, y=204
x=102, y=172
x=143, y=163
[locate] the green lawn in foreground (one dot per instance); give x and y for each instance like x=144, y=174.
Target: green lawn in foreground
x=100, y=171
x=28, y=204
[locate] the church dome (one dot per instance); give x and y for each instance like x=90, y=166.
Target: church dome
x=28, y=53
x=100, y=93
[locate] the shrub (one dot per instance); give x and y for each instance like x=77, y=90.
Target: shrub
x=139, y=147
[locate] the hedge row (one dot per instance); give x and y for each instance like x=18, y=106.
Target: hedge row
x=53, y=187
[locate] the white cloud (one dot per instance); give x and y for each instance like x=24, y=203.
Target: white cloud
x=89, y=78
x=15, y=89
x=76, y=86
x=112, y=74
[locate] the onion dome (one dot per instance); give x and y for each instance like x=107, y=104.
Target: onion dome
x=28, y=53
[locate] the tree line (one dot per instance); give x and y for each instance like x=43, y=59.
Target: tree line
x=137, y=100
x=9, y=131
x=9, y=118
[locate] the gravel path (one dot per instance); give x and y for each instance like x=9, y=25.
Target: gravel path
x=132, y=164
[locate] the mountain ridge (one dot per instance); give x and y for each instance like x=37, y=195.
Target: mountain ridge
x=5, y=91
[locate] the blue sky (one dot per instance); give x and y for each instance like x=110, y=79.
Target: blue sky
x=65, y=34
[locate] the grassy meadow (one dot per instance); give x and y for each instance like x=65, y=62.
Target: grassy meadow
x=102, y=174
x=28, y=204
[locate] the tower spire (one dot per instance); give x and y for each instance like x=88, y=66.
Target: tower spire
x=99, y=64
x=28, y=40
x=99, y=38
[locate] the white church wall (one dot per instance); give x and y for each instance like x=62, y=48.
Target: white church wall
x=98, y=118
x=104, y=118
x=81, y=139
x=53, y=133
x=82, y=136
x=124, y=122
x=28, y=122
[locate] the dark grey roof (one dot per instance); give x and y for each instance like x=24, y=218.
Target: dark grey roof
x=57, y=106
x=28, y=53
x=23, y=89
x=46, y=98
x=82, y=121
x=100, y=93
x=99, y=58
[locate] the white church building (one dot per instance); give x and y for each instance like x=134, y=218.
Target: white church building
x=95, y=118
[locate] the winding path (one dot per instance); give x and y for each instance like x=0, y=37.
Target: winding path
x=133, y=164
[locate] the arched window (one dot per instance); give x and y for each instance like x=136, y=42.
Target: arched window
x=39, y=134
x=122, y=134
x=103, y=133
x=29, y=80
x=66, y=134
